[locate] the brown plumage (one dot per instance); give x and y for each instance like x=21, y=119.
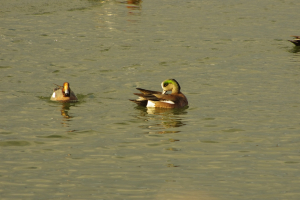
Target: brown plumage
x=149, y=98
x=63, y=93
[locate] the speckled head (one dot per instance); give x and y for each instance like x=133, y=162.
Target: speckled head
x=170, y=85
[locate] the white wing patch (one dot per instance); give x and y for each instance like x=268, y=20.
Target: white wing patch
x=53, y=95
x=170, y=102
x=150, y=104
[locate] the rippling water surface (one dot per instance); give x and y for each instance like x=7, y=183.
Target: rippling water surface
x=238, y=139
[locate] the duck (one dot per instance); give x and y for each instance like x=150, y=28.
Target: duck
x=63, y=93
x=296, y=40
x=155, y=99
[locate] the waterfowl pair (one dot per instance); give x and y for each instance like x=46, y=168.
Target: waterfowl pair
x=296, y=40
x=147, y=98
x=157, y=99
x=63, y=93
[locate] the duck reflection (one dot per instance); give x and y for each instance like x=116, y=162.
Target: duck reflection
x=64, y=110
x=65, y=107
x=134, y=4
x=295, y=49
x=161, y=121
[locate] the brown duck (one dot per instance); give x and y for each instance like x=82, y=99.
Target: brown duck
x=155, y=99
x=63, y=93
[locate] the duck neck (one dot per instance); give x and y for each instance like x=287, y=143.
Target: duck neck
x=175, y=90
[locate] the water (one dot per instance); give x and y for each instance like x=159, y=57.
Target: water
x=238, y=139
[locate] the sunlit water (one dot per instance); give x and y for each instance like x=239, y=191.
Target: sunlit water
x=238, y=139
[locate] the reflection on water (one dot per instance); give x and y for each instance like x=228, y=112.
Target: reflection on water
x=65, y=110
x=161, y=121
x=295, y=49
x=242, y=85
x=134, y=4
x=65, y=107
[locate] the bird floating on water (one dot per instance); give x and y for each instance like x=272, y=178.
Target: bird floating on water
x=296, y=40
x=63, y=93
x=155, y=99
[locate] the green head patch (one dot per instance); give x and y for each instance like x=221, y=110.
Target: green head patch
x=171, y=81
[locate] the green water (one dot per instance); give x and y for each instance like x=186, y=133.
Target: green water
x=238, y=139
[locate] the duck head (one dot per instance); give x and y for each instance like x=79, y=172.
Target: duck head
x=66, y=89
x=170, y=85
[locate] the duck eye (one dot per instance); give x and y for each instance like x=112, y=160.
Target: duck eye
x=166, y=84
